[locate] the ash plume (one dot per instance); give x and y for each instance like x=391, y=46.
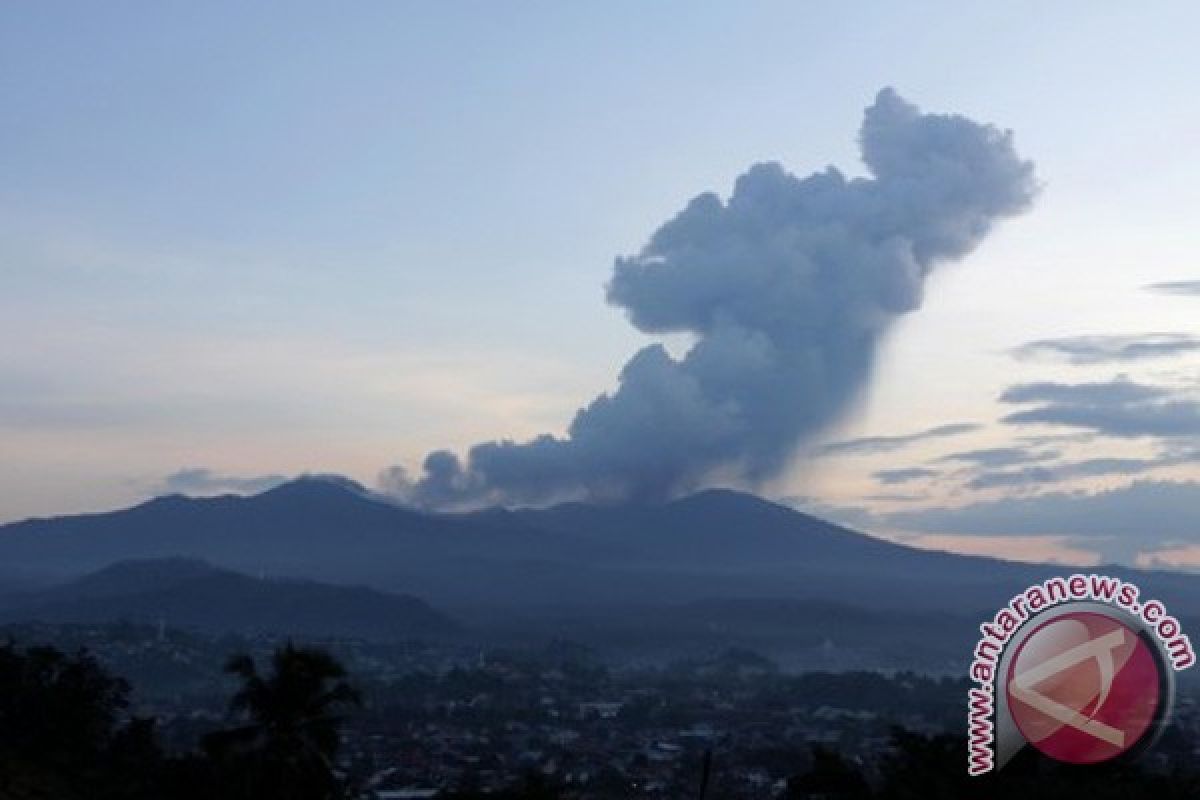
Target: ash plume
x=787, y=288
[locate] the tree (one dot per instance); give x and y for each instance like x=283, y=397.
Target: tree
x=287, y=739
x=933, y=768
x=831, y=777
x=64, y=731
x=534, y=786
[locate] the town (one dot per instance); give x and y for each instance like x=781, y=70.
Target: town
x=439, y=720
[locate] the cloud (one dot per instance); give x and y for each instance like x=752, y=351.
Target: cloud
x=893, y=477
x=870, y=445
x=895, y=497
x=1119, y=407
x=201, y=480
x=1170, y=556
x=1088, y=468
x=1121, y=521
x=787, y=287
x=1055, y=439
x=1000, y=456
x=1101, y=349
x=856, y=517
x=1031, y=549
x=1176, y=287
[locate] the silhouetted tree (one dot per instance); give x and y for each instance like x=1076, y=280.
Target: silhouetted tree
x=934, y=768
x=831, y=777
x=287, y=741
x=64, y=731
x=534, y=786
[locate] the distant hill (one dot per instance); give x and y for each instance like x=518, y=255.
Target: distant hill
x=504, y=567
x=311, y=527
x=187, y=593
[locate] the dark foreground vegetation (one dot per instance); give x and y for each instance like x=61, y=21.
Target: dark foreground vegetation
x=67, y=732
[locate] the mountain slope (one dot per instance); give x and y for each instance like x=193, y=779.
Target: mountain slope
x=310, y=527
x=715, y=544
x=718, y=527
x=192, y=594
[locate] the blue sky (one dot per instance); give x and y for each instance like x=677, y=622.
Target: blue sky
x=309, y=237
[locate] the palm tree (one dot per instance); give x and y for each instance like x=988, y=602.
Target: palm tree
x=287, y=738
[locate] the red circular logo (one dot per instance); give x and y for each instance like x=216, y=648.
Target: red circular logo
x=1084, y=688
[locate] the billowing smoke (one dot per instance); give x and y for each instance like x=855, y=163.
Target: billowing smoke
x=787, y=288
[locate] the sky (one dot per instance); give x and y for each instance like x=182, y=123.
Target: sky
x=239, y=244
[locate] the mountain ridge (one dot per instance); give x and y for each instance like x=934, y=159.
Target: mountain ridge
x=712, y=544
x=193, y=594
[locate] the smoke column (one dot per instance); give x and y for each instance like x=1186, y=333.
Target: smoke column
x=787, y=287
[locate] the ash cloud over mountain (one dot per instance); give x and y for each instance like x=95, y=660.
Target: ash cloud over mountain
x=787, y=287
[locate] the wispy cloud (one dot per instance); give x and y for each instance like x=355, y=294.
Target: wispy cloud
x=1120, y=407
x=893, y=477
x=886, y=444
x=201, y=480
x=1121, y=522
x=1001, y=456
x=1034, y=549
x=1176, y=287
x=1088, y=468
x=1105, y=349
